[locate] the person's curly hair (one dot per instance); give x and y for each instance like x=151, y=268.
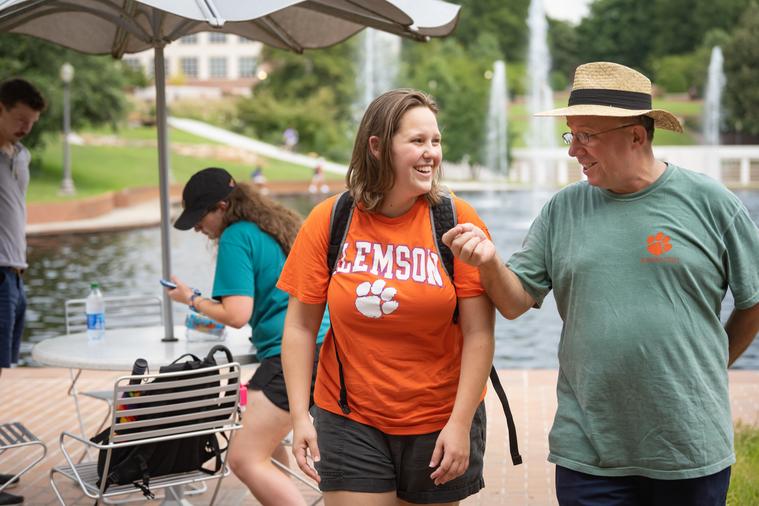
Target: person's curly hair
x=247, y=204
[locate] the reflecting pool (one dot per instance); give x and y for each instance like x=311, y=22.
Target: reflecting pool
x=129, y=262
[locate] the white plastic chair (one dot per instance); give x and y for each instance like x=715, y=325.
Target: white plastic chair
x=216, y=412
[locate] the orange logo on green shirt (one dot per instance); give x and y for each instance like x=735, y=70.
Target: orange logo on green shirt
x=658, y=244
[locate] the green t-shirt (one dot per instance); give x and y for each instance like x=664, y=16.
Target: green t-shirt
x=248, y=263
x=639, y=280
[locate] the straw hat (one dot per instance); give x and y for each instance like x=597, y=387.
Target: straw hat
x=610, y=89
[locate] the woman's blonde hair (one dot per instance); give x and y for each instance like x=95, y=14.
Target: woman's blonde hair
x=247, y=204
x=370, y=179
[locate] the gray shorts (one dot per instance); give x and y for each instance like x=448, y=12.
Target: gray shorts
x=359, y=458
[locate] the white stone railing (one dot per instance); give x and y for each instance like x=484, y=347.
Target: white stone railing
x=735, y=166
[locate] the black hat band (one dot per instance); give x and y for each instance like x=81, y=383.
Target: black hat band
x=613, y=98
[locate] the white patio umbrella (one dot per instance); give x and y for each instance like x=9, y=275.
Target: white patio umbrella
x=118, y=27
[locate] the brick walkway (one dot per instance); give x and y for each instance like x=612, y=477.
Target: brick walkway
x=37, y=398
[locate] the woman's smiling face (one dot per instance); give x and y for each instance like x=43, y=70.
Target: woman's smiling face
x=416, y=153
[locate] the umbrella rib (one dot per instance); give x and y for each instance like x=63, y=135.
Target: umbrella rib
x=61, y=7
x=358, y=14
x=183, y=28
x=120, y=39
x=18, y=7
x=371, y=19
x=275, y=30
x=156, y=22
x=213, y=16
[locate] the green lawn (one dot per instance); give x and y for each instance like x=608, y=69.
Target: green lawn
x=149, y=134
x=99, y=169
x=744, y=481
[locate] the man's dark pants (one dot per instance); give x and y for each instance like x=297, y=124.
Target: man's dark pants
x=579, y=489
x=12, y=311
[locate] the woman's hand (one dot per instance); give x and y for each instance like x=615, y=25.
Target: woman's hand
x=452, y=446
x=181, y=293
x=304, y=442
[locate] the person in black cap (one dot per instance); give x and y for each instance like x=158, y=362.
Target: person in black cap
x=254, y=236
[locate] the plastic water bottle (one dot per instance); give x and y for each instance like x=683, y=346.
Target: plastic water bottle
x=95, y=309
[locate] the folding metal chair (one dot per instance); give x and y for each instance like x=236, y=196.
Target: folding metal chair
x=216, y=412
x=15, y=436
x=122, y=312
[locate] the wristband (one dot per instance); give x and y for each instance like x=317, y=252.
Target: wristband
x=192, y=300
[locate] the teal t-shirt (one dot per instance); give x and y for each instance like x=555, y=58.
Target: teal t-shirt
x=248, y=263
x=639, y=280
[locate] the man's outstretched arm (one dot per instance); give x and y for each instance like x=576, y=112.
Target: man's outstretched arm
x=741, y=329
x=471, y=245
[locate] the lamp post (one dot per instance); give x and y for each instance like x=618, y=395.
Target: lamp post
x=67, y=185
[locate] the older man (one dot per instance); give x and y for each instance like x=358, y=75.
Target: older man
x=639, y=257
x=20, y=108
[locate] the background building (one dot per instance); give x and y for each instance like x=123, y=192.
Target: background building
x=204, y=65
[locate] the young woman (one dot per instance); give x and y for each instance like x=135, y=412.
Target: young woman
x=411, y=427
x=254, y=236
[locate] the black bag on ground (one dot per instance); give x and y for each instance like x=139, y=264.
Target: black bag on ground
x=138, y=464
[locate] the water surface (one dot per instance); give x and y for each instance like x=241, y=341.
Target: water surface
x=129, y=262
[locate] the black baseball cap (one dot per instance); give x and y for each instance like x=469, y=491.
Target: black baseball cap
x=204, y=190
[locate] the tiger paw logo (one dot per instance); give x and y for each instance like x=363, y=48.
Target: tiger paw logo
x=375, y=299
x=658, y=244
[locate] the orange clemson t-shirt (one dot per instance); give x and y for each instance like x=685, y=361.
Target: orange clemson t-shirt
x=391, y=305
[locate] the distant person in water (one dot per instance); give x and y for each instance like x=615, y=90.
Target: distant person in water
x=259, y=180
x=318, y=182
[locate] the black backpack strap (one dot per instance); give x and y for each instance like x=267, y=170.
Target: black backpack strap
x=339, y=221
x=342, y=212
x=211, y=448
x=186, y=355
x=443, y=218
x=216, y=349
x=145, y=485
x=343, y=391
x=516, y=459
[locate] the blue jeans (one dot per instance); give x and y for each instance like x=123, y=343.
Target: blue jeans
x=574, y=488
x=12, y=311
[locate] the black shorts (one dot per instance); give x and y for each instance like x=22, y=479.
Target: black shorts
x=359, y=458
x=270, y=379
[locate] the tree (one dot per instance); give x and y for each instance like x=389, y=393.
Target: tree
x=681, y=24
x=564, y=47
x=618, y=30
x=455, y=78
x=505, y=19
x=312, y=93
x=96, y=92
x=741, y=97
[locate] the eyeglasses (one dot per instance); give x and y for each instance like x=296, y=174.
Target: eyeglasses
x=584, y=138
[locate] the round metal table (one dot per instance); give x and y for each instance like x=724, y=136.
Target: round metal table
x=119, y=348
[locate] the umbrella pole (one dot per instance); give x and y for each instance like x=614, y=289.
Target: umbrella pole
x=163, y=177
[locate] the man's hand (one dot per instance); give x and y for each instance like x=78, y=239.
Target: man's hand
x=470, y=244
